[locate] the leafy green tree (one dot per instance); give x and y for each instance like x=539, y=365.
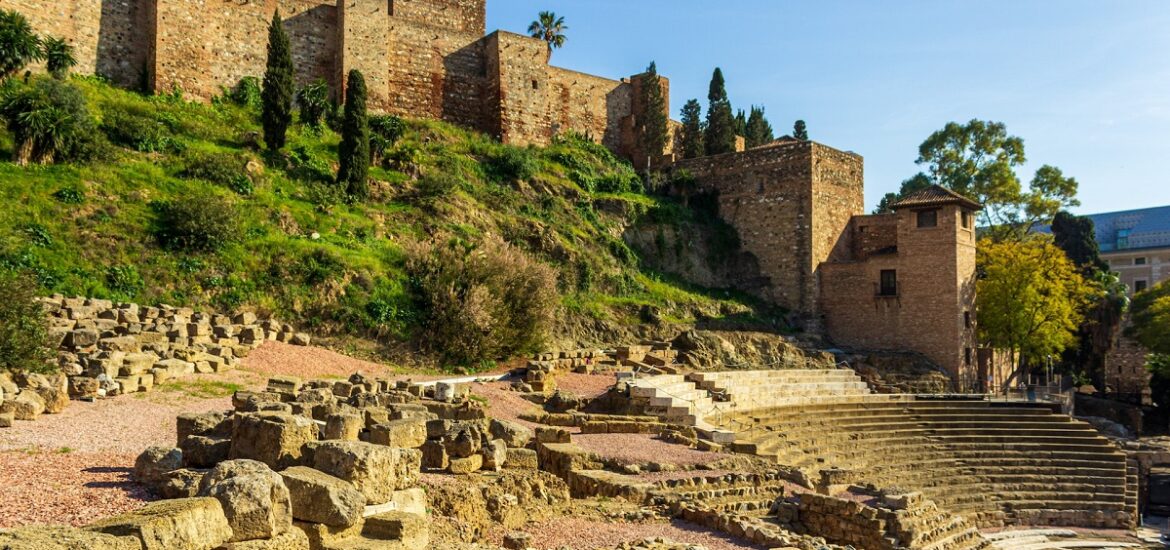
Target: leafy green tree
x=314, y=102
x=1075, y=235
x=719, y=136
x=48, y=119
x=692, y=130
x=24, y=331
x=355, y=140
x=759, y=130
x=59, y=57
x=652, y=127
x=1150, y=324
x=19, y=45
x=550, y=28
x=979, y=160
x=1030, y=300
x=916, y=183
x=277, y=93
x=800, y=131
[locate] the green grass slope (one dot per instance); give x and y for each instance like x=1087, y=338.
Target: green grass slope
x=307, y=256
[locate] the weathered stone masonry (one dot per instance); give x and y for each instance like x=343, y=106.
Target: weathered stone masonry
x=421, y=58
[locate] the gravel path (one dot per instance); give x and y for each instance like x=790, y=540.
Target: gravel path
x=588, y=534
x=642, y=449
x=504, y=403
x=65, y=488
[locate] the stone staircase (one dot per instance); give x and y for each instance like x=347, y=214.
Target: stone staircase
x=1049, y=539
x=995, y=463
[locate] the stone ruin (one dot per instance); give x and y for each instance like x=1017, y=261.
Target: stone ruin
x=105, y=349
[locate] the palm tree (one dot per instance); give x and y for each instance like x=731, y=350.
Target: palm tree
x=550, y=28
x=59, y=57
x=19, y=46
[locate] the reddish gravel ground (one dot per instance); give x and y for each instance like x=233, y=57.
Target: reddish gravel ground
x=503, y=402
x=585, y=385
x=642, y=449
x=308, y=362
x=587, y=534
x=74, y=467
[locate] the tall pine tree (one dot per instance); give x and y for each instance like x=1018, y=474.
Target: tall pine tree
x=719, y=137
x=355, y=140
x=799, y=131
x=759, y=130
x=652, y=126
x=277, y=95
x=692, y=130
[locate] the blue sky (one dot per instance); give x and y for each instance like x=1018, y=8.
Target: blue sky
x=1085, y=83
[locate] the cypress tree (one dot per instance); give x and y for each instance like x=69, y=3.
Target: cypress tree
x=759, y=130
x=355, y=140
x=799, y=131
x=740, y=123
x=692, y=130
x=277, y=95
x=719, y=137
x=652, y=128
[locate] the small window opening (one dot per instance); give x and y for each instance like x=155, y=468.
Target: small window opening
x=1139, y=261
x=967, y=356
x=1139, y=286
x=928, y=218
x=966, y=220
x=967, y=319
x=535, y=85
x=889, y=283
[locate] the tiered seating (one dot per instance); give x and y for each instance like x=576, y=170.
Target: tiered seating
x=994, y=462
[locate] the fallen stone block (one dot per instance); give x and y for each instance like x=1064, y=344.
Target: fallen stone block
x=181, y=524
x=255, y=500
x=6, y=419
x=434, y=455
x=410, y=530
x=155, y=462
x=323, y=536
x=514, y=434
x=63, y=538
x=345, y=426
x=210, y=424
x=293, y=539
x=26, y=405
x=205, y=452
x=318, y=497
x=495, y=454
x=410, y=434
x=465, y=465
x=375, y=470
x=182, y=483
x=275, y=439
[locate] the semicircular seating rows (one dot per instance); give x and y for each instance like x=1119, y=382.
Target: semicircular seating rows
x=996, y=463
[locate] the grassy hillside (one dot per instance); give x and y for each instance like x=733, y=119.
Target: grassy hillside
x=305, y=255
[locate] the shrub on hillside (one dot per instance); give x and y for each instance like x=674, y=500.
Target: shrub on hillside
x=49, y=122
x=511, y=164
x=24, y=342
x=482, y=302
x=226, y=169
x=201, y=222
x=246, y=92
x=385, y=130
x=138, y=127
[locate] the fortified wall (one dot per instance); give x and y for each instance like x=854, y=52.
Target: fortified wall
x=421, y=58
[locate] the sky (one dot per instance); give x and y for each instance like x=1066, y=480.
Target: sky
x=1086, y=84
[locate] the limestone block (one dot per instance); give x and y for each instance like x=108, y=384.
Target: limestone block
x=285, y=384
x=205, y=452
x=155, y=462
x=495, y=454
x=26, y=405
x=7, y=419
x=275, y=439
x=323, y=536
x=514, y=434
x=55, y=399
x=63, y=538
x=182, y=483
x=521, y=459
x=82, y=338
x=210, y=424
x=321, y=498
x=344, y=426
x=553, y=435
x=180, y=524
x=375, y=470
x=293, y=539
x=300, y=339
x=81, y=387
x=138, y=363
x=255, y=500
x=410, y=434
x=411, y=530
x=434, y=455
x=466, y=465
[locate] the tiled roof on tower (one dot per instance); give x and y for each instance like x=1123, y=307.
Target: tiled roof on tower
x=935, y=195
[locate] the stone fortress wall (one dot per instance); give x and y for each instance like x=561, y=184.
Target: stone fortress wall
x=420, y=58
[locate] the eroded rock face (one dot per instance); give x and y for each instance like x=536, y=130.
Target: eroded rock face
x=276, y=439
x=180, y=524
x=375, y=470
x=318, y=497
x=255, y=499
